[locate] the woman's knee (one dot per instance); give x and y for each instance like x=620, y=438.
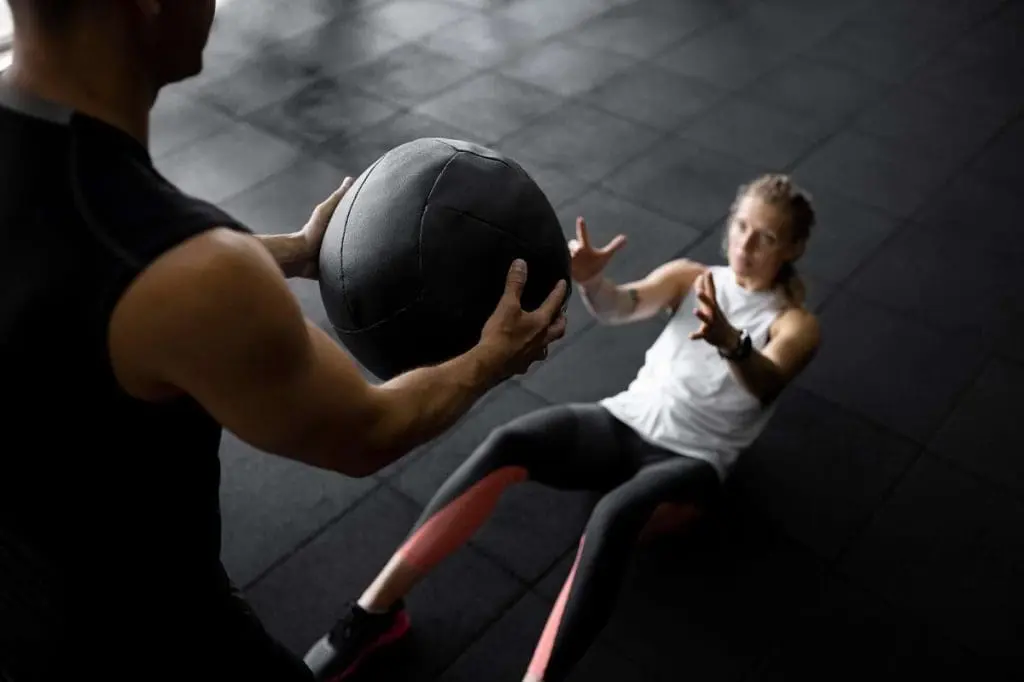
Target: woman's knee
x=518, y=442
x=671, y=518
x=503, y=447
x=638, y=518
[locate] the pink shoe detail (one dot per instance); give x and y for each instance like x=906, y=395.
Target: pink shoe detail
x=398, y=630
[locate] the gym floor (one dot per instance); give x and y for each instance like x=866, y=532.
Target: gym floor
x=874, y=531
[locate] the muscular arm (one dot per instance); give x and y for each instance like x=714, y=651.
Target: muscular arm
x=794, y=342
x=664, y=288
x=214, y=319
x=289, y=251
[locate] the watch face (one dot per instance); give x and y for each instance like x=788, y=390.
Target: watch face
x=741, y=350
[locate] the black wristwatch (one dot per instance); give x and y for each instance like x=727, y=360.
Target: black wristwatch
x=742, y=349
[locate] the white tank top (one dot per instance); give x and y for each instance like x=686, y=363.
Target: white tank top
x=686, y=398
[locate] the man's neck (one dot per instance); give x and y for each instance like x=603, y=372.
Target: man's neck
x=100, y=85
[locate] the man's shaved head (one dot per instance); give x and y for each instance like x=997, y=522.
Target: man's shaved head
x=47, y=13
x=161, y=39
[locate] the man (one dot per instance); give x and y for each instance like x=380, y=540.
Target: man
x=136, y=323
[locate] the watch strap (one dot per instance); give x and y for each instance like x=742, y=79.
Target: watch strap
x=742, y=349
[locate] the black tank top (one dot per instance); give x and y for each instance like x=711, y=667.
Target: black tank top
x=109, y=506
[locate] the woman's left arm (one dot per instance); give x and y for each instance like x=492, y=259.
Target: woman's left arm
x=793, y=343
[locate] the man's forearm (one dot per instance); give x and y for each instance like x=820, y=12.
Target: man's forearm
x=424, y=403
x=289, y=250
x=608, y=302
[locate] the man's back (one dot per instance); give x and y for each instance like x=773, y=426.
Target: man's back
x=105, y=500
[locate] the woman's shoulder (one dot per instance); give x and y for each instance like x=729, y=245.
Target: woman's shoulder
x=796, y=319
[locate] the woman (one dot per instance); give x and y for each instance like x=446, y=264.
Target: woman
x=736, y=337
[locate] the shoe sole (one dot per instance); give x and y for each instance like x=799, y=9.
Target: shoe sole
x=397, y=631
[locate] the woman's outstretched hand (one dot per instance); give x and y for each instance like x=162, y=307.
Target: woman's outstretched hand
x=587, y=261
x=715, y=329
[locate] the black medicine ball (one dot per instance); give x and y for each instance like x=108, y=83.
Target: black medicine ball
x=416, y=256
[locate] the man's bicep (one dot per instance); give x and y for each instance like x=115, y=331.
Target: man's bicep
x=301, y=398
x=230, y=334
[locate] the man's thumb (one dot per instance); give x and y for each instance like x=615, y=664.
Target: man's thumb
x=516, y=279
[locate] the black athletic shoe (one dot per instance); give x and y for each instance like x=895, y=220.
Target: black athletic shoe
x=354, y=637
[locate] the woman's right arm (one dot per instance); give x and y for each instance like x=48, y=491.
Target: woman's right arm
x=663, y=288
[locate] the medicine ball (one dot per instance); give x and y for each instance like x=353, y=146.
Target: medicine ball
x=417, y=253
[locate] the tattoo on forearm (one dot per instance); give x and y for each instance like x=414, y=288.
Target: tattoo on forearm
x=608, y=302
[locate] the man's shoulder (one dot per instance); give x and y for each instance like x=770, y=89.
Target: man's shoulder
x=216, y=257
x=130, y=206
x=212, y=294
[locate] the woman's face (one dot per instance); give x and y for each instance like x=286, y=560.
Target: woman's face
x=759, y=241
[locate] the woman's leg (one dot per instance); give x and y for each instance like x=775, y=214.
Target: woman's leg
x=572, y=447
x=591, y=589
x=569, y=447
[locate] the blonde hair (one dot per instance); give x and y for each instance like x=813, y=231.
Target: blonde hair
x=778, y=189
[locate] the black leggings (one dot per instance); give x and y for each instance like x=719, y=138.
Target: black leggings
x=569, y=447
